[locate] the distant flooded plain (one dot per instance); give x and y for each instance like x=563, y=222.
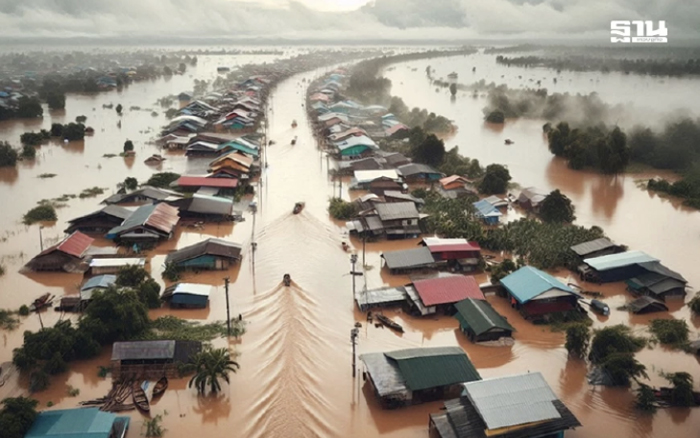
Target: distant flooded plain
x=296, y=376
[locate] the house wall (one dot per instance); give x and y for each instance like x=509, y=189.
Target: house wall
x=96, y=225
x=207, y=262
x=53, y=261
x=545, y=307
x=618, y=274
x=455, y=255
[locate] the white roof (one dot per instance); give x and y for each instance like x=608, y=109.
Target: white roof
x=206, y=144
x=365, y=176
x=356, y=140
x=187, y=118
x=101, y=263
x=193, y=289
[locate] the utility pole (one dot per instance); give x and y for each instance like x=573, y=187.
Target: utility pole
x=354, y=333
x=228, y=310
x=41, y=239
x=353, y=260
x=364, y=241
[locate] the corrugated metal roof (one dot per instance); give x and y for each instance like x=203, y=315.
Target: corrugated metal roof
x=527, y=283
x=365, y=176
x=161, y=217
x=512, y=401
x=424, y=368
x=192, y=289
x=72, y=423
x=408, y=258
x=386, y=376
x=485, y=209
x=210, y=204
x=396, y=210
x=592, y=246
x=380, y=296
x=109, y=210
x=532, y=194
x=416, y=169
x=211, y=246
x=137, y=350
x=233, y=156
x=103, y=263
x=203, y=181
x=450, y=289
x=437, y=244
x=658, y=268
x=612, y=261
x=75, y=245
x=480, y=316
x=102, y=281
x=405, y=196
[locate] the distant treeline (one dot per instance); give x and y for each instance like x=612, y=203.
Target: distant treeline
x=656, y=67
x=596, y=147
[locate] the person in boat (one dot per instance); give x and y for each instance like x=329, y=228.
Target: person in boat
x=287, y=279
x=345, y=246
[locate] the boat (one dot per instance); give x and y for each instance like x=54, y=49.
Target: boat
x=160, y=387
x=294, y=140
x=389, y=323
x=294, y=124
x=287, y=279
x=140, y=399
x=298, y=207
x=41, y=302
x=508, y=141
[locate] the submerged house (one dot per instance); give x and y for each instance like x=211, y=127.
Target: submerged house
x=210, y=254
x=455, y=186
x=596, y=248
x=382, y=297
x=99, y=221
x=112, y=266
x=537, y=294
x=363, y=178
x=187, y=295
x=457, y=253
x=480, y=322
x=210, y=208
x=521, y=406
x=658, y=282
x=646, y=304
x=530, y=198
x=407, y=260
x=151, y=359
x=148, y=224
x=487, y=212
x=144, y=195
x=439, y=295
x=67, y=255
x=194, y=182
x=415, y=172
x=418, y=375
x=235, y=162
x=355, y=146
x=97, y=283
x=399, y=219
x=78, y=423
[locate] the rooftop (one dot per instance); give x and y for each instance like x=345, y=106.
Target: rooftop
x=396, y=210
x=75, y=245
x=582, y=249
x=448, y=289
x=527, y=283
x=365, y=176
x=73, y=423
x=161, y=217
x=480, y=316
x=211, y=246
x=437, y=244
x=416, y=169
x=203, y=181
x=408, y=258
x=619, y=260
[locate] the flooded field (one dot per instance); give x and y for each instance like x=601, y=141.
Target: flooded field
x=295, y=376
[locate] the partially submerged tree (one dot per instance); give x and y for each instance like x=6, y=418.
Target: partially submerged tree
x=128, y=146
x=613, y=339
x=56, y=100
x=17, y=416
x=8, y=155
x=577, y=339
x=340, y=209
x=682, y=391
x=119, y=108
x=131, y=183
x=496, y=117
x=495, y=180
x=162, y=179
x=40, y=213
x=557, y=207
x=646, y=400
x=622, y=368
x=670, y=331
x=430, y=151
x=211, y=365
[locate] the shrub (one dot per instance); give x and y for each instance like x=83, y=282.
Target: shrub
x=622, y=368
x=577, y=339
x=694, y=304
x=128, y=146
x=682, y=392
x=670, y=331
x=612, y=340
x=496, y=117
x=24, y=310
x=162, y=179
x=44, y=212
x=28, y=152
x=38, y=381
x=8, y=155
x=340, y=209
x=646, y=400
x=172, y=272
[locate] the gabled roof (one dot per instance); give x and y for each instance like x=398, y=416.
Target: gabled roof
x=416, y=169
x=188, y=288
x=438, y=244
x=485, y=209
x=408, y=258
x=74, y=245
x=356, y=140
x=109, y=210
x=619, y=260
x=100, y=281
x=658, y=268
x=446, y=290
x=161, y=217
x=395, y=194
x=527, y=283
x=234, y=156
x=424, y=368
x=137, y=350
x=534, y=195
x=365, y=176
x=210, y=204
x=203, y=181
x=72, y=423
x=148, y=192
x=452, y=178
x=582, y=249
x=396, y=210
x=211, y=246
x=480, y=316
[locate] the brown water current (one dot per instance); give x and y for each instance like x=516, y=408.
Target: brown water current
x=295, y=378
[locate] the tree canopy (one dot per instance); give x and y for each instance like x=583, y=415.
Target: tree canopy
x=128, y=146
x=495, y=180
x=8, y=155
x=105, y=315
x=56, y=100
x=211, y=365
x=17, y=416
x=430, y=151
x=162, y=179
x=557, y=207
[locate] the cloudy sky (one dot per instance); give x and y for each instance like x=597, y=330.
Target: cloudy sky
x=333, y=19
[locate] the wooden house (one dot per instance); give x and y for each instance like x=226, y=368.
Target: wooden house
x=147, y=225
x=658, y=282
x=596, y=248
x=615, y=267
x=455, y=186
x=530, y=198
x=205, y=207
x=99, y=221
x=538, y=295
x=417, y=375
x=439, y=295
x=480, y=322
x=399, y=219
x=187, y=295
x=455, y=253
x=67, y=255
x=210, y=254
x=418, y=172
x=151, y=359
x=355, y=146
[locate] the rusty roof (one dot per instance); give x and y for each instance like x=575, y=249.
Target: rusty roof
x=446, y=290
x=161, y=217
x=234, y=156
x=203, y=181
x=76, y=244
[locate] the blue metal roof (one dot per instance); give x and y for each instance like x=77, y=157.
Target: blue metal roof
x=72, y=423
x=485, y=209
x=527, y=283
x=619, y=260
x=102, y=281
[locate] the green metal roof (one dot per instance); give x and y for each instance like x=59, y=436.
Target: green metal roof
x=480, y=316
x=424, y=368
x=72, y=423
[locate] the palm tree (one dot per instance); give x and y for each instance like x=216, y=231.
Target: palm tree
x=210, y=365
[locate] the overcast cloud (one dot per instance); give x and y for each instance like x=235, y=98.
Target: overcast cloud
x=391, y=19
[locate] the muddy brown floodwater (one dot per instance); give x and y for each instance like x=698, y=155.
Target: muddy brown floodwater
x=295, y=377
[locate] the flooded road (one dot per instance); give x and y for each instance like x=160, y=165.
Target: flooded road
x=295, y=376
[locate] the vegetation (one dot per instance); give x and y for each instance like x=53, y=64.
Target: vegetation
x=210, y=366
x=8, y=155
x=43, y=212
x=682, y=390
x=622, y=368
x=104, y=317
x=128, y=146
x=419, y=118
x=23, y=310
x=172, y=272
x=694, y=304
x=557, y=208
x=130, y=183
x=91, y=192
x=453, y=89
x=578, y=338
x=451, y=217
x=56, y=100
x=495, y=180
x=646, y=400
x=501, y=270
x=341, y=210
x=81, y=119
x=17, y=416
x=137, y=279
x=612, y=349
x=7, y=320
x=70, y=132
x=672, y=332
x=455, y=164
x=72, y=392
x=46, y=175
x=170, y=327
x=154, y=427
x=687, y=188
x=496, y=116
x=674, y=147
x=35, y=138
x=430, y=151
x=596, y=147
x=28, y=152
x=29, y=108
x=162, y=179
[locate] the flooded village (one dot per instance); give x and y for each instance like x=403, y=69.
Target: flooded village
x=336, y=242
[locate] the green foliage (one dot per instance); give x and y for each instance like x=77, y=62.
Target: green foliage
x=72, y=392
x=131, y=276
x=670, y=331
x=172, y=272
x=43, y=212
x=17, y=416
x=616, y=339
x=91, y=192
x=211, y=365
x=28, y=152
x=128, y=146
x=682, y=391
x=34, y=138
x=162, y=179
x=149, y=293
x=8, y=155
x=430, y=151
x=495, y=180
x=694, y=304
x=81, y=119
x=595, y=147
x=7, y=320
x=102, y=371
x=55, y=365
x=557, y=207
x=674, y=147
x=153, y=425
x=455, y=164
x=687, y=188
x=29, y=108
x=103, y=319
x=451, y=217
x=340, y=209
x=578, y=337
x=39, y=380
x=73, y=131
x=23, y=310
x=496, y=117
x=131, y=183
x=622, y=368
x=501, y=270
x=170, y=327
x=56, y=130
x=56, y=100
x=646, y=400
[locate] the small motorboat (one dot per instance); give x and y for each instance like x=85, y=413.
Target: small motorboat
x=294, y=124
x=287, y=280
x=41, y=302
x=509, y=141
x=345, y=246
x=294, y=140
x=160, y=387
x=154, y=159
x=298, y=207
x=389, y=323
x=140, y=400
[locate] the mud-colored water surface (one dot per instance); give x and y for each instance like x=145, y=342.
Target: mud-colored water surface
x=296, y=377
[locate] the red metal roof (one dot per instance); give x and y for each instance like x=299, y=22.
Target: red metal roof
x=75, y=244
x=164, y=217
x=458, y=245
x=446, y=290
x=203, y=181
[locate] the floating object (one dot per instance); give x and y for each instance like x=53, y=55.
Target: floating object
x=287, y=279
x=160, y=387
x=154, y=159
x=600, y=307
x=41, y=302
x=294, y=124
x=298, y=207
x=389, y=323
x=509, y=141
x=345, y=246
x=140, y=400
x=294, y=140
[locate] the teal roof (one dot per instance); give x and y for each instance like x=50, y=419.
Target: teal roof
x=424, y=368
x=480, y=316
x=527, y=283
x=234, y=145
x=619, y=260
x=72, y=423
